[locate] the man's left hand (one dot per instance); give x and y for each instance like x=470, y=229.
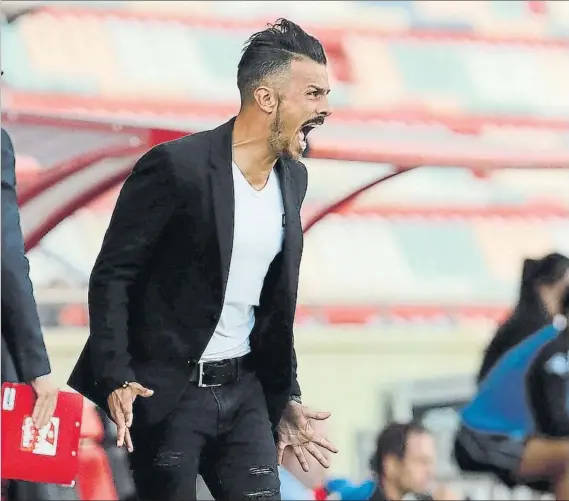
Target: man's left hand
x=295, y=431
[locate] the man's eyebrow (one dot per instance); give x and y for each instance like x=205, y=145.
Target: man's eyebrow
x=320, y=90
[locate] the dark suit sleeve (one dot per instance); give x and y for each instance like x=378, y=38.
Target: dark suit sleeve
x=20, y=322
x=548, y=390
x=145, y=204
x=302, y=186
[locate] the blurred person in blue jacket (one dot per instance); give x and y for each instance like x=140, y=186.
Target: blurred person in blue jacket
x=543, y=284
x=517, y=425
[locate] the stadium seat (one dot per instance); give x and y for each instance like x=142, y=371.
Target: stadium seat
x=125, y=58
x=557, y=229
x=91, y=426
x=435, y=248
x=140, y=49
x=372, y=259
x=15, y=61
x=506, y=242
x=95, y=478
x=57, y=54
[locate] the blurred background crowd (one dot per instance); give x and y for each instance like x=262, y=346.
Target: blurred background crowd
x=401, y=286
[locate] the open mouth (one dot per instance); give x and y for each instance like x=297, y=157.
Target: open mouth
x=306, y=128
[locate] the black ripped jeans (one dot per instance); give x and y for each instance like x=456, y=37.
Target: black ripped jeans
x=222, y=433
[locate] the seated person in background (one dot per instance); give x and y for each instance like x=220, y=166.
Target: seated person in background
x=517, y=425
x=404, y=463
x=297, y=484
x=543, y=284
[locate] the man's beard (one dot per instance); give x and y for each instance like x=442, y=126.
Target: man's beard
x=278, y=142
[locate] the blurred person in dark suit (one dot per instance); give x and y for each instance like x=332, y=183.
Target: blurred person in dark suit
x=24, y=357
x=192, y=297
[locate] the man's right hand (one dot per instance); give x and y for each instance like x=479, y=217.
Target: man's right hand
x=120, y=405
x=46, y=400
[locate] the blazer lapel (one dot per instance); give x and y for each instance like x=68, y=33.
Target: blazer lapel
x=224, y=206
x=293, y=229
x=223, y=194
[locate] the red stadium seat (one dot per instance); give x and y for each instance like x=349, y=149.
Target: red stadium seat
x=74, y=315
x=95, y=478
x=91, y=428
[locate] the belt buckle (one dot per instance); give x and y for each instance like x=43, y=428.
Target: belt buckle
x=201, y=384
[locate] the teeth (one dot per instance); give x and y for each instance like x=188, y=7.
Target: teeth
x=302, y=140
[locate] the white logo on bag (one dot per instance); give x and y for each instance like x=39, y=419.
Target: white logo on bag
x=9, y=400
x=43, y=441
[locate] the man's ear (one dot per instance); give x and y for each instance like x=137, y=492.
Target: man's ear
x=390, y=465
x=266, y=99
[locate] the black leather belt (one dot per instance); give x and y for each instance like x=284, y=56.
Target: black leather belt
x=211, y=374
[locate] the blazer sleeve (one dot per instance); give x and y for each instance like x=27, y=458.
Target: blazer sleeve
x=145, y=204
x=302, y=187
x=21, y=327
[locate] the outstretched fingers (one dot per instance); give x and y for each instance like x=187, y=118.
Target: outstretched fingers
x=318, y=415
x=317, y=454
x=299, y=453
x=324, y=443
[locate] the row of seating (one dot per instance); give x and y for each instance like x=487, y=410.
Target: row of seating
x=481, y=16
x=166, y=60
x=364, y=260
x=424, y=188
x=368, y=260
x=429, y=186
x=393, y=319
x=449, y=141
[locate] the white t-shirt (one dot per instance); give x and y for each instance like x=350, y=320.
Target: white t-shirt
x=257, y=238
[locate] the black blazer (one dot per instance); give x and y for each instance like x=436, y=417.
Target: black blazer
x=24, y=356
x=157, y=287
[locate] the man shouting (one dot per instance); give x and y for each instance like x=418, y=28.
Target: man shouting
x=193, y=294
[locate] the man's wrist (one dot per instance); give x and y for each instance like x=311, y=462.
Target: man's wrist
x=110, y=385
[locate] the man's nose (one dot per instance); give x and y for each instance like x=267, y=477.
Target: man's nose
x=325, y=109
